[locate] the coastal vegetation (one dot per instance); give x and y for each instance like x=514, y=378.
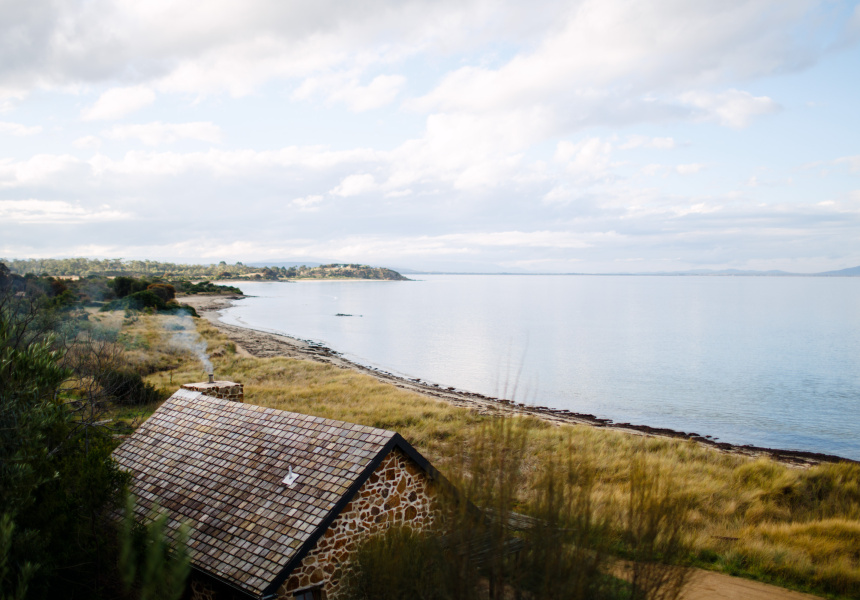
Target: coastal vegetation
x=185, y=273
x=757, y=518
x=73, y=377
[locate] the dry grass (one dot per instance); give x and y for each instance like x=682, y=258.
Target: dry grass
x=799, y=528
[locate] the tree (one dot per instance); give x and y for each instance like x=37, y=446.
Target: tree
x=58, y=482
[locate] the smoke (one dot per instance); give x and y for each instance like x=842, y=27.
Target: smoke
x=183, y=335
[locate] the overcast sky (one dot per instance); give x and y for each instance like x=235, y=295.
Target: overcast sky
x=575, y=136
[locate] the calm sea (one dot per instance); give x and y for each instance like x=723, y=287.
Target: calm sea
x=750, y=360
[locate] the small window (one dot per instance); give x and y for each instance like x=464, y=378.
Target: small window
x=310, y=594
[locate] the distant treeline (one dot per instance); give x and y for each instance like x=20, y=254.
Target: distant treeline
x=111, y=293
x=114, y=267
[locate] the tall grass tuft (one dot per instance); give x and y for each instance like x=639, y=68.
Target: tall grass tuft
x=654, y=533
x=498, y=539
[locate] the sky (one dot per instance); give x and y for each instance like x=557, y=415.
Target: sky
x=592, y=136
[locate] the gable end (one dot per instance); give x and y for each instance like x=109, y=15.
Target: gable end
x=396, y=441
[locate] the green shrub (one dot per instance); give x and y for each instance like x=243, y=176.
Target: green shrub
x=124, y=286
x=128, y=388
x=145, y=299
x=165, y=291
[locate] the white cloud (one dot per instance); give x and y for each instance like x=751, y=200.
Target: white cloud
x=355, y=185
x=587, y=160
x=156, y=133
x=652, y=169
x=470, y=151
x=10, y=95
x=853, y=162
x=641, y=141
x=346, y=88
x=588, y=60
x=37, y=170
x=55, y=211
x=500, y=83
x=689, y=168
x=230, y=163
x=609, y=62
x=18, y=129
x=308, y=202
x=521, y=239
x=118, y=102
x=237, y=46
x=732, y=108
x=87, y=141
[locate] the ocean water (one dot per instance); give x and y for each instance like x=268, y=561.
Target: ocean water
x=749, y=360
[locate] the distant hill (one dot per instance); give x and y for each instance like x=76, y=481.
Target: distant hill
x=851, y=272
x=725, y=273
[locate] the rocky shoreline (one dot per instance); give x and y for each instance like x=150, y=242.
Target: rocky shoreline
x=263, y=344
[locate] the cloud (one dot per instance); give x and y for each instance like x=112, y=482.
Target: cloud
x=503, y=133
x=689, y=168
x=381, y=91
x=607, y=63
x=56, y=211
x=472, y=152
x=236, y=46
x=587, y=160
x=18, y=129
x=230, y=163
x=118, y=102
x=652, y=169
x=308, y=203
x=851, y=33
x=87, y=141
x=37, y=170
x=853, y=162
x=641, y=141
x=355, y=185
x=9, y=96
x=157, y=133
x=587, y=54
x=733, y=108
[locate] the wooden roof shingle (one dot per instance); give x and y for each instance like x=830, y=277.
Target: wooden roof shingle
x=219, y=466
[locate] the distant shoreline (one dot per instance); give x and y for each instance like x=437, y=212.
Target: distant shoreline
x=264, y=344
x=679, y=274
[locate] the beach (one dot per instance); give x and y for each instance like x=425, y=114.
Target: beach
x=263, y=344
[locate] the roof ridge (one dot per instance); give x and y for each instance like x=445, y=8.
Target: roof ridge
x=194, y=395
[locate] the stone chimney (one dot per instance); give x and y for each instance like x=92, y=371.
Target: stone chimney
x=226, y=390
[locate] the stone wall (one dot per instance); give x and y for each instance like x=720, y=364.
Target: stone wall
x=397, y=493
x=204, y=587
x=226, y=390
x=201, y=590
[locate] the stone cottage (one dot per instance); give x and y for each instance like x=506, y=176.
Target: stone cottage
x=276, y=501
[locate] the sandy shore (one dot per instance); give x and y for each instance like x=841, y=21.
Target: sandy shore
x=261, y=344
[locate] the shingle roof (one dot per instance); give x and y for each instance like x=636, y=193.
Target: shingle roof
x=219, y=465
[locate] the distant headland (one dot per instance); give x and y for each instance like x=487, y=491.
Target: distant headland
x=115, y=267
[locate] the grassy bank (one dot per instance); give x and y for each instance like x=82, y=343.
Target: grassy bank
x=795, y=527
